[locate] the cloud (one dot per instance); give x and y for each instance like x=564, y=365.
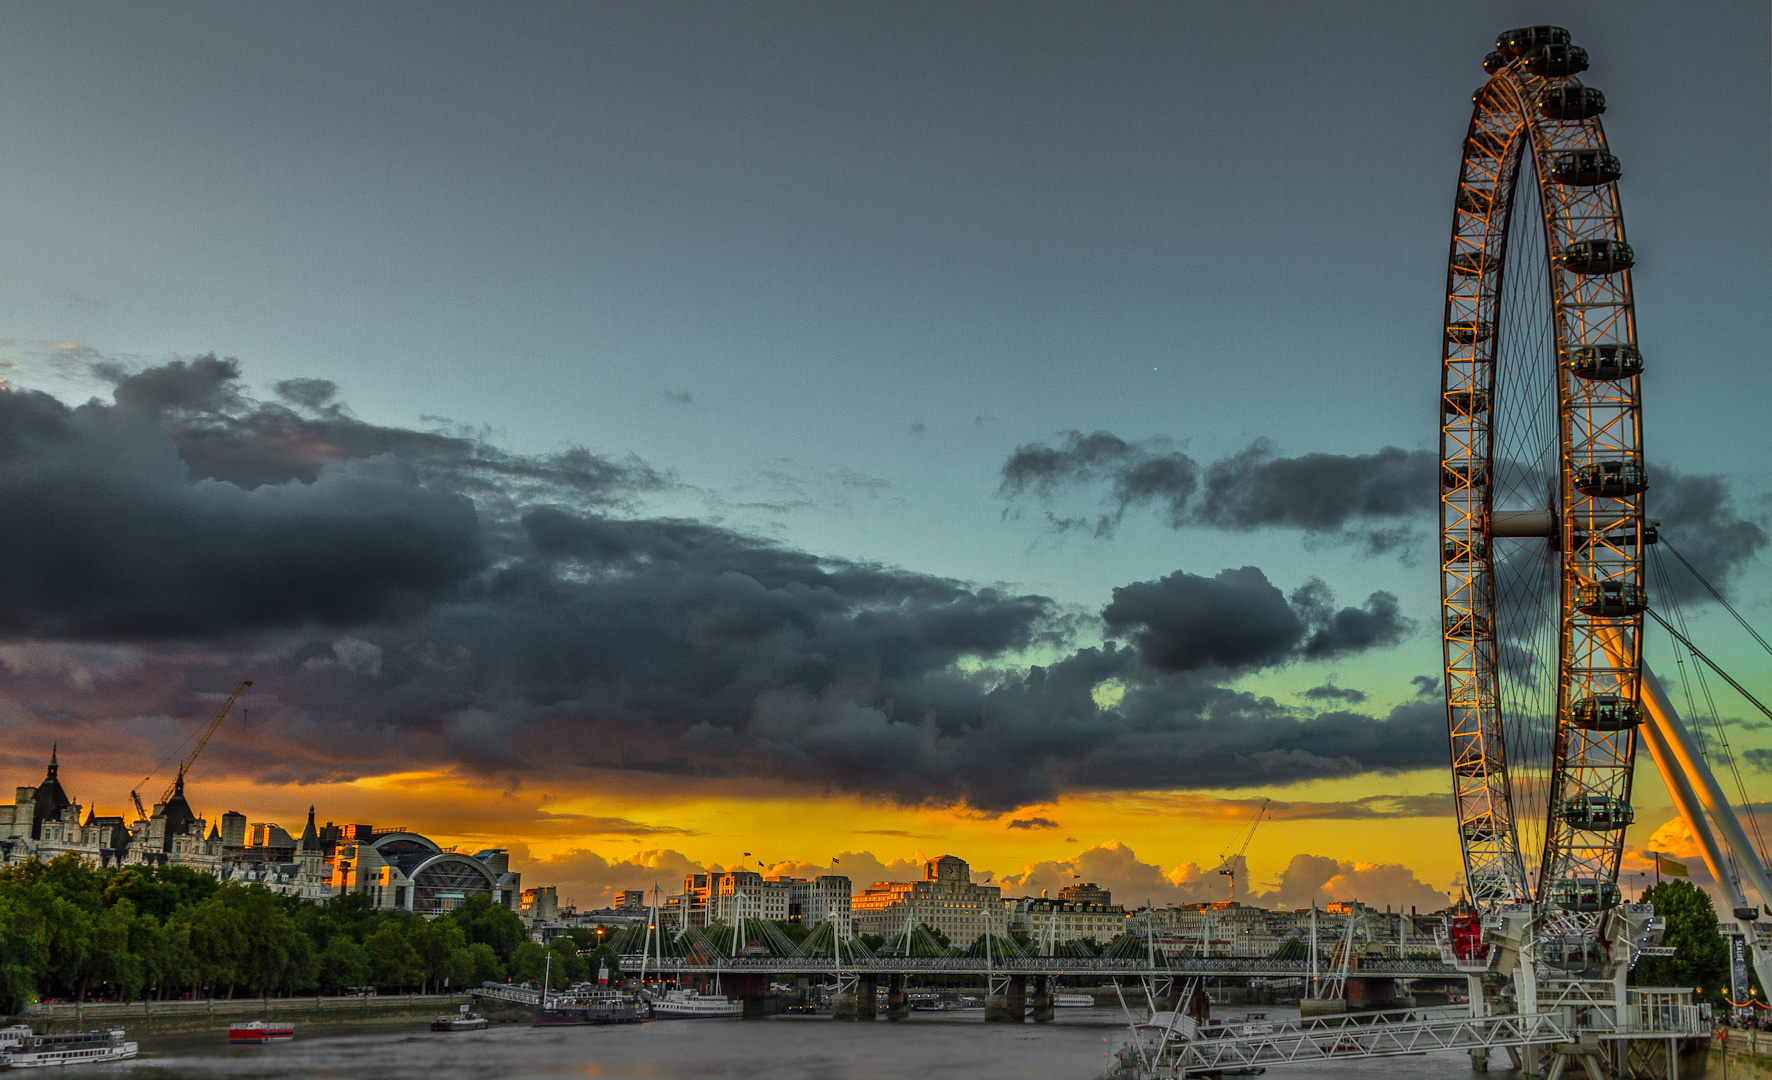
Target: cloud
x=680, y=397
x=591, y=880
x=1319, y=879
x=1371, y=807
x=1239, y=620
x=408, y=600
x=1033, y=823
x=1330, y=692
x=1698, y=517
x=1375, y=498
x=1381, y=500
x=1426, y=685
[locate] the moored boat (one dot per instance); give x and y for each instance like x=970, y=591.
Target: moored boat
x=462, y=1021
x=1073, y=1001
x=23, y=1049
x=596, y=1007
x=259, y=1031
x=690, y=1005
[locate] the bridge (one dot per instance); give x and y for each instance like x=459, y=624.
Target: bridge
x=1093, y=966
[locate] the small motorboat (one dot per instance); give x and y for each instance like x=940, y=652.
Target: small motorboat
x=260, y=1031
x=462, y=1021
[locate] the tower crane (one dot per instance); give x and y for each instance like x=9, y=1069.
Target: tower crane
x=1227, y=866
x=190, y=760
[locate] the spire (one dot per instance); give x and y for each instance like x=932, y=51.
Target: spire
x=178, y=785
x=310, y=838
x=53, y=747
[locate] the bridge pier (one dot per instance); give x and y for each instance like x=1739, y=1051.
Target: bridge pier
x=898, y=1003
x=1006, y=1003
x=753, y=991
x=1042, y=1000
x=867, y=990
x=843, y=1002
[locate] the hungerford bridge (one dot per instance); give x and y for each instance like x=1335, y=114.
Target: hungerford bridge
x=1548, y=565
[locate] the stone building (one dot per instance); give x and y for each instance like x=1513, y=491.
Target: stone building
x=946, y=900
x=173, y=835
x=1054, y=922
x=43, y=822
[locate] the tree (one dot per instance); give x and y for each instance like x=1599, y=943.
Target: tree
x=436, y=942
x=392, y=960
x=484, y=965
x=1701, y=957
x=490, y=924
x=342, y=963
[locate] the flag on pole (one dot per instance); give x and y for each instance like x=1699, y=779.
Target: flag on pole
x=1667, y=866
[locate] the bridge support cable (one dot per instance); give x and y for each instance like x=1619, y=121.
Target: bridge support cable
x=1690, y=781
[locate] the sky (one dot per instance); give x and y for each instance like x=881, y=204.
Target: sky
x=639, y=435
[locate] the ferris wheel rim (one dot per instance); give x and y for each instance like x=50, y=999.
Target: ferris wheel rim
x=1533, y=109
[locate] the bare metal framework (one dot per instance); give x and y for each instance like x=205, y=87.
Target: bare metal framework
x=1536, y=128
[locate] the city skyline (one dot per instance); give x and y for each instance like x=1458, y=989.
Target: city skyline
x=820, y=435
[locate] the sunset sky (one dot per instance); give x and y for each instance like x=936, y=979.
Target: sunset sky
x=642, y=434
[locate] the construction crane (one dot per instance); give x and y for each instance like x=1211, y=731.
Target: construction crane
x=190, y=760
x=1227, y=866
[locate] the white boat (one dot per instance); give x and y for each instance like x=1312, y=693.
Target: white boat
x=462, y=1021
x=690, y=1005
x=1073, y=1001
x=23, y=1049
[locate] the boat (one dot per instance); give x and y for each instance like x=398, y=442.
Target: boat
x=24, y=1049
x=259, y=1031
x=690, y=1005
x=462, y=1021
x=596, y=1007
x=1073, y=1001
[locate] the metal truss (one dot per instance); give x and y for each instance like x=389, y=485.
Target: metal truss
x=1594, y=526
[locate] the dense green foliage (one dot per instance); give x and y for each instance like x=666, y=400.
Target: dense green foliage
x=1701, y=956
x=69, y=930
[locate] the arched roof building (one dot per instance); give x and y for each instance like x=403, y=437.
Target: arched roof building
x=403, y=871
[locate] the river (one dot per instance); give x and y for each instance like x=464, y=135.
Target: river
x=925, y=1047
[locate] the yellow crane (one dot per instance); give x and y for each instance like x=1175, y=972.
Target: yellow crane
x=1227, y=866
x=190, y=760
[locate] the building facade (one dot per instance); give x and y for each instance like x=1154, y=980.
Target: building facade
x=43, y=823
x=946, y=900
x=1054, y=922
x=173, y=835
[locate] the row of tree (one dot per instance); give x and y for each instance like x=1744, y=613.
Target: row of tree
x=71, y=931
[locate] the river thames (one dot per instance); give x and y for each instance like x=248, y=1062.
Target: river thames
x=783, y=1048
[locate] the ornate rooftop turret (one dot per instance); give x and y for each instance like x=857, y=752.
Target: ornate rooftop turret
x=310, y=837
x=51, y=799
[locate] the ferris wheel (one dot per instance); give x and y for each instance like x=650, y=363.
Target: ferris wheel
x=1542, y=484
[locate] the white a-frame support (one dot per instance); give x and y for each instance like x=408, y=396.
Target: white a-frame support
x=1695, y=791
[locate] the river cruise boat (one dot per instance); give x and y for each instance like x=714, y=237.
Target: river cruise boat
x=594, y=1007
x=1073, y=1001
x=462, y=1021
x=23, y=1049
x=690, y=1005
x=259, y=1031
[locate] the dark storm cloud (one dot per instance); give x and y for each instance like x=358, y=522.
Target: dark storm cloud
x=1331, y=692
x=406, y=599
x=1699, y=519
x=1240, y=621
x=1372, y=497
x=108, y=536
x=1031, y=823
x=1381, y=500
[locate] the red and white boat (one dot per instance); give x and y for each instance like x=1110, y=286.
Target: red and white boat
x=259, y=1031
